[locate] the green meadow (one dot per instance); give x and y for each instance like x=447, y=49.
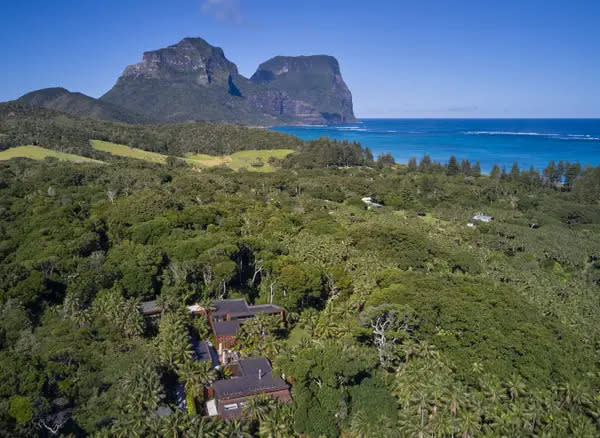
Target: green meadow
x=253, y=160
x=40, y=153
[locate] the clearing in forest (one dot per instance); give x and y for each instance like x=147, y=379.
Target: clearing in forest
x=40, y=153
x=256, y=160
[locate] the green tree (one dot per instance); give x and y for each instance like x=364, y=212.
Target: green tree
x=112, y=308
x=195, y=375
x=515, y=172
x=476, y=169
x=495, y=173
x=140, y=390
x=452, y=166
x=21, y=409
x=173, y=341
x=412, y=164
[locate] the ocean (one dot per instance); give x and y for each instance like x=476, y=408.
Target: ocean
x=530, y=142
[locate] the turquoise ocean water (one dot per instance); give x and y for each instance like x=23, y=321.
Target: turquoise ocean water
x=531, y=142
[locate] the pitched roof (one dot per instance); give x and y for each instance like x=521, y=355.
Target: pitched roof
x=237, y=308
x=265, y=308
x=226, y=328
x=223, y=307
x=251, y=367
x=247, y=385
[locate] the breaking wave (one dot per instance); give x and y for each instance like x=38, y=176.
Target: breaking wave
x=578, y=137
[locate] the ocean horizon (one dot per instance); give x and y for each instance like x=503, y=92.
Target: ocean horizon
x=530, y=142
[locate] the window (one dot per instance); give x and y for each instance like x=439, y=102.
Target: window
x=230, y=407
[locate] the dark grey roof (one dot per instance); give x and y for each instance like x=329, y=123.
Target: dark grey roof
x=226, y=328
x=223, y=307
x=247, y=385
x=265, y=308
x=202, y=351
x=238, y=308
x=251, y=367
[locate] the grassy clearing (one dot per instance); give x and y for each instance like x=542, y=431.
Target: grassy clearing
x=39, y=153
x=206, y=160
x=248, y=158
x=243, y=159
x=126, y=151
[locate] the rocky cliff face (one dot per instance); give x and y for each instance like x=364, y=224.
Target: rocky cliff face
x=311, y=88
x=193, y=80
x=192, y=59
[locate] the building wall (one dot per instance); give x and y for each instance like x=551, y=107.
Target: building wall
x=282, y=395
x=226, y=341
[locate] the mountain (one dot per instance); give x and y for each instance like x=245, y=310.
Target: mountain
x=80, y=105
x=192, y=81
x=312, y=88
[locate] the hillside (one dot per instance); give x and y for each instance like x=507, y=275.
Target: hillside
x=80, y=105
x=25, y=125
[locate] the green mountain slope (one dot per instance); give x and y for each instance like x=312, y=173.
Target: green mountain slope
x=26, y=125
x=78, y=104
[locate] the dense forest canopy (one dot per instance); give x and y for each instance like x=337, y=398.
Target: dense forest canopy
x=407, y=319
x=26, y=125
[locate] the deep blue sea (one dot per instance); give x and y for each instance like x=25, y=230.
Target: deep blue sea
x=502, y=141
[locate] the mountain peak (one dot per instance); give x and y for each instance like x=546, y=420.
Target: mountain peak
x=193, y=80
x=312, y=64
x=189, y=57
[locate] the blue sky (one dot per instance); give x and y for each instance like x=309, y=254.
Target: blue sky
x=426, y=58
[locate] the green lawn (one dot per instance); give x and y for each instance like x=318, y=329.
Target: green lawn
x=126, y=151
x=39, y=153
x=247, y=158
x=234, y=161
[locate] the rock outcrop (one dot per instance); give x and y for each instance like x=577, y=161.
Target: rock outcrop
x=311, y=88
x=192, y=81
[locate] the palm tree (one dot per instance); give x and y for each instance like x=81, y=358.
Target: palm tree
x=425, y=350
x=327, y=328
x=477, y=368
x=308, y=320
x=409, y=348
x=455, y=399
x=201, y=427
x=234, y=429
x=534, y=412
x=360, y=426
x=445, y=425
x=515, y=387
x=270, y=347
x=173, y=425
x=258, y=407
x=493, y=391
x=195, y=375
x=413, y=427
x=469, y=424
x=173, y=341
x=141, y=389
x=278, y=423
